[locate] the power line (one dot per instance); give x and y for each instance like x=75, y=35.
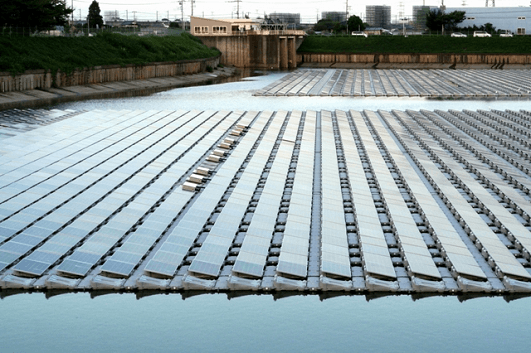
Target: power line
x=238, y=7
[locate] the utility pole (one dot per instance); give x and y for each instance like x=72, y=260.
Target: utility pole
x=72, y=11
x=182, y=13
x=237, y=7
x=134, y=15
x=346, y=14
x=192, y=2
x=127, y=15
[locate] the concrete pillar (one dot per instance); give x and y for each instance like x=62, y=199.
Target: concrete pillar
x=283, y=53
x=292, y=53
x=263, y=42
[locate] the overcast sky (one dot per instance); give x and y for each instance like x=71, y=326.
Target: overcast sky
x=310, y=10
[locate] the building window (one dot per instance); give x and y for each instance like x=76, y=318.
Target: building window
x=470, y=18
x=520, y=31
x=521, y=17
x=204, y=29
x=197, y=29
x=218, y=30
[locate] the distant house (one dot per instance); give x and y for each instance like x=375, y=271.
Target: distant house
x=205, y=26
x=375, y=31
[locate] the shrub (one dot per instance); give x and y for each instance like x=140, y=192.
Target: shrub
x=23, y=53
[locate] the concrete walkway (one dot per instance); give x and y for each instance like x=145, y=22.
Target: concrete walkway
x=38, y=98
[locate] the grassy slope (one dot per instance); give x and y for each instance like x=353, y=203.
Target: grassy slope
x=18, y=54
x=416, y=44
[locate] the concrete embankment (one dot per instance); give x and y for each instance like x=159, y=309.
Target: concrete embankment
x=37, y=88
x=415, y=61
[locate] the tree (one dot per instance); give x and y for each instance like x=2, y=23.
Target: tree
x=355, y=24
x=436, y=19
x=454, y=18
x=489, y=28
x=340, y=27
x=94, y=18
x=39, y=14
x=323, y=25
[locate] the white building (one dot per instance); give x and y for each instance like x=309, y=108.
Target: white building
x=514, y=19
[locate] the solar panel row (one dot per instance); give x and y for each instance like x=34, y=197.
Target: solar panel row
x=335, y=259
x=376, y=259
x=452, y=245
x=253, y=253
x=293, y=259
x=412, y=244
x=191, y=224
x=212, y=253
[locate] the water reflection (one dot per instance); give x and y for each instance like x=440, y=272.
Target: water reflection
x=211, y=323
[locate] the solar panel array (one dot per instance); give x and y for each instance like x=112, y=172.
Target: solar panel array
x=355, y=201
x=401, y=83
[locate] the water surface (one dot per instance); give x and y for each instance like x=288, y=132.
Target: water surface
x=259, y=323
x=239, y=96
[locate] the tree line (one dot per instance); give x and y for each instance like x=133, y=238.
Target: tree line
x=354, y=23
x=43, y=14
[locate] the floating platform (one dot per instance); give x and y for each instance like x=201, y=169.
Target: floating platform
x=309, y=201
x=402, y=83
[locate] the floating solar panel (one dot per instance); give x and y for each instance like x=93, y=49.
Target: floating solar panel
x=288, y=263
x=236, y=205
x=367, y=216
x=109, y=217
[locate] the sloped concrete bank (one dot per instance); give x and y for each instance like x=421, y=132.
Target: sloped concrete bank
x=34, y=89
x=44, y=79
x=415, y=60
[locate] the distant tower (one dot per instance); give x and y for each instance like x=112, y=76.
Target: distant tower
x=487, y=3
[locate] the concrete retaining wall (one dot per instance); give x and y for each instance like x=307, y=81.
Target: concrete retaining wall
x=414, y=59
x=256, y=51
x=41, y=79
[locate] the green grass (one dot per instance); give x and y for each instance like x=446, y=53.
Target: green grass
x=416, y=44
x=18, y=54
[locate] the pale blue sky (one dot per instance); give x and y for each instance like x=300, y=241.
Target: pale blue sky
x=310, y=10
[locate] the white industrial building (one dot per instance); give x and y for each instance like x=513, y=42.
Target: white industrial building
x=515, y=19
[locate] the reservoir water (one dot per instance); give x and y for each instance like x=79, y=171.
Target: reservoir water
x=33, y=322
x=213, y=323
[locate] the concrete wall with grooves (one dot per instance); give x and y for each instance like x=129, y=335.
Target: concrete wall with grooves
x=415, y=58
x=42, y=79
x=256, y=51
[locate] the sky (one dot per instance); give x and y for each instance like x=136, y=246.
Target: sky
x=310, y=10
